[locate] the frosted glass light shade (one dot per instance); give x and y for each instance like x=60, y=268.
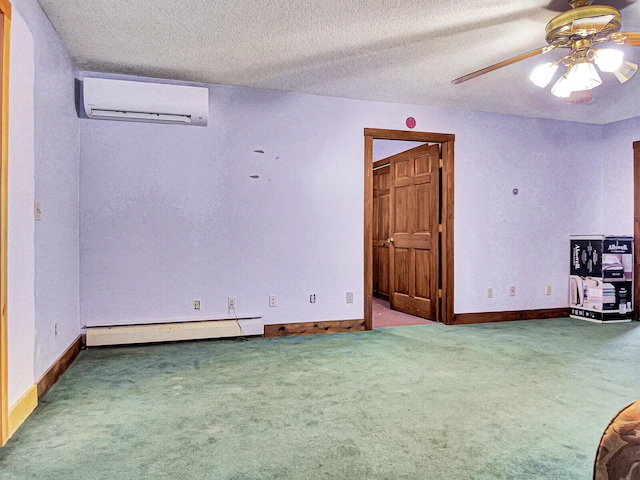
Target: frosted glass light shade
x=542, y=74
x=626, y=71
x=608, y=59
x=583, y=76
x=562, y=88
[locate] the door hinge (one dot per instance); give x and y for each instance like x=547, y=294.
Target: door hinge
x=439, y=293
x=440, y=228
x=441, y=163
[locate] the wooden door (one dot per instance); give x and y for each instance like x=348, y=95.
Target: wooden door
x=414, y=219
x=381, y=208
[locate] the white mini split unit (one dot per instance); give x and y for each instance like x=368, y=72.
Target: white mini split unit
x=107, y=99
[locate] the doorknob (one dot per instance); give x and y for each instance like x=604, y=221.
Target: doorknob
x=390, y=240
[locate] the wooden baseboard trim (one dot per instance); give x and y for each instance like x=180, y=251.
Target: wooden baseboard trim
x=509, y=316
x=19, y=412
x=60, y=366
x=313, y=328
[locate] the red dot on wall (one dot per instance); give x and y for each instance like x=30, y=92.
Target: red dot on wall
x=411, y=122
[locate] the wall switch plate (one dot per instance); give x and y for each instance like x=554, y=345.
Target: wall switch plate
x=512, y=291
x=312, y=298
x=196, y=304
x=349, y=297
x=272, y=300
x=231, y=303
x=490, y=292
x=548, y=290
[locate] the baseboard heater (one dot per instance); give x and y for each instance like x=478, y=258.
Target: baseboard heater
x=173, y=331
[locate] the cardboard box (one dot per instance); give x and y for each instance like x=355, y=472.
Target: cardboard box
x=601, y=279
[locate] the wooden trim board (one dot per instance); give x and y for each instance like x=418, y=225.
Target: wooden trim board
x=383, y=134
x=508, y=316
x=22, y=409
x=446, y=250
x=55, y=371
x=368, y=231
x=312, y=328
x=5, y=27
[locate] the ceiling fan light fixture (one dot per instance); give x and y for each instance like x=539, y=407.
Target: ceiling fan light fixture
x=626, y=71
x=608, y=59
x=562, y=88
x=542, y=74
x=580, y=30
x=583, y=76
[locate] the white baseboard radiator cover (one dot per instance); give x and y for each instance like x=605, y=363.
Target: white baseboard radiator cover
x=172, y=331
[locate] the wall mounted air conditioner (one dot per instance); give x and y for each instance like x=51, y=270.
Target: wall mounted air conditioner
x=108, y=99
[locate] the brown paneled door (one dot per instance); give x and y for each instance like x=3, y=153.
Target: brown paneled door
x=413, y=241
x=381, y=209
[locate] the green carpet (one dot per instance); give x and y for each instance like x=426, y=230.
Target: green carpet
x=517, y=400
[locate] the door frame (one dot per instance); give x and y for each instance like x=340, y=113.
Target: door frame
x=444, y=308
x=5, y=26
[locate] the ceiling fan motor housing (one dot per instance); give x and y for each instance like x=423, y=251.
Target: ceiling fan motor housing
x=596, y=22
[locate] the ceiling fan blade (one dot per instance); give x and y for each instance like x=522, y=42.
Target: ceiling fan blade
x=591, y=24
x=630, y=38
x=582, y=96
x=504, y=63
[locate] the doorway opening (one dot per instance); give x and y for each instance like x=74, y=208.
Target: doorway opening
x=420, y=241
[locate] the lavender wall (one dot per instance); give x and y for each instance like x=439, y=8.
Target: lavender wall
x=522, y=240
x=169, y=213
x=56, y=169
x=617, y=176
x=21, y=257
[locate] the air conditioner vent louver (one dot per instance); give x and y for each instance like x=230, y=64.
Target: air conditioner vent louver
x=109, y=99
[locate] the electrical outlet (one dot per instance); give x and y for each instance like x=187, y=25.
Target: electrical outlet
x=196, y=304
x=37, y=210
x=489, y=292
x=272, y=300
x=512, y=291
x=231, y=303
x=548, y=290
x=312, y=298
x=349, y=297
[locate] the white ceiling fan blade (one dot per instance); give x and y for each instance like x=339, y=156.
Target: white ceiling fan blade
x=582, y=96
x=591, y=25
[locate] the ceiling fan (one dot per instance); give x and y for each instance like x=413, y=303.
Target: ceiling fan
x=581, y=30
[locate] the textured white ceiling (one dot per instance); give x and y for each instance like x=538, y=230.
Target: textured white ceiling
x=385, y=50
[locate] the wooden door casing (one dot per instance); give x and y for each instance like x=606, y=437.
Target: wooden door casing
x=381, y=210
x=5, y=27
x=414, y=220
